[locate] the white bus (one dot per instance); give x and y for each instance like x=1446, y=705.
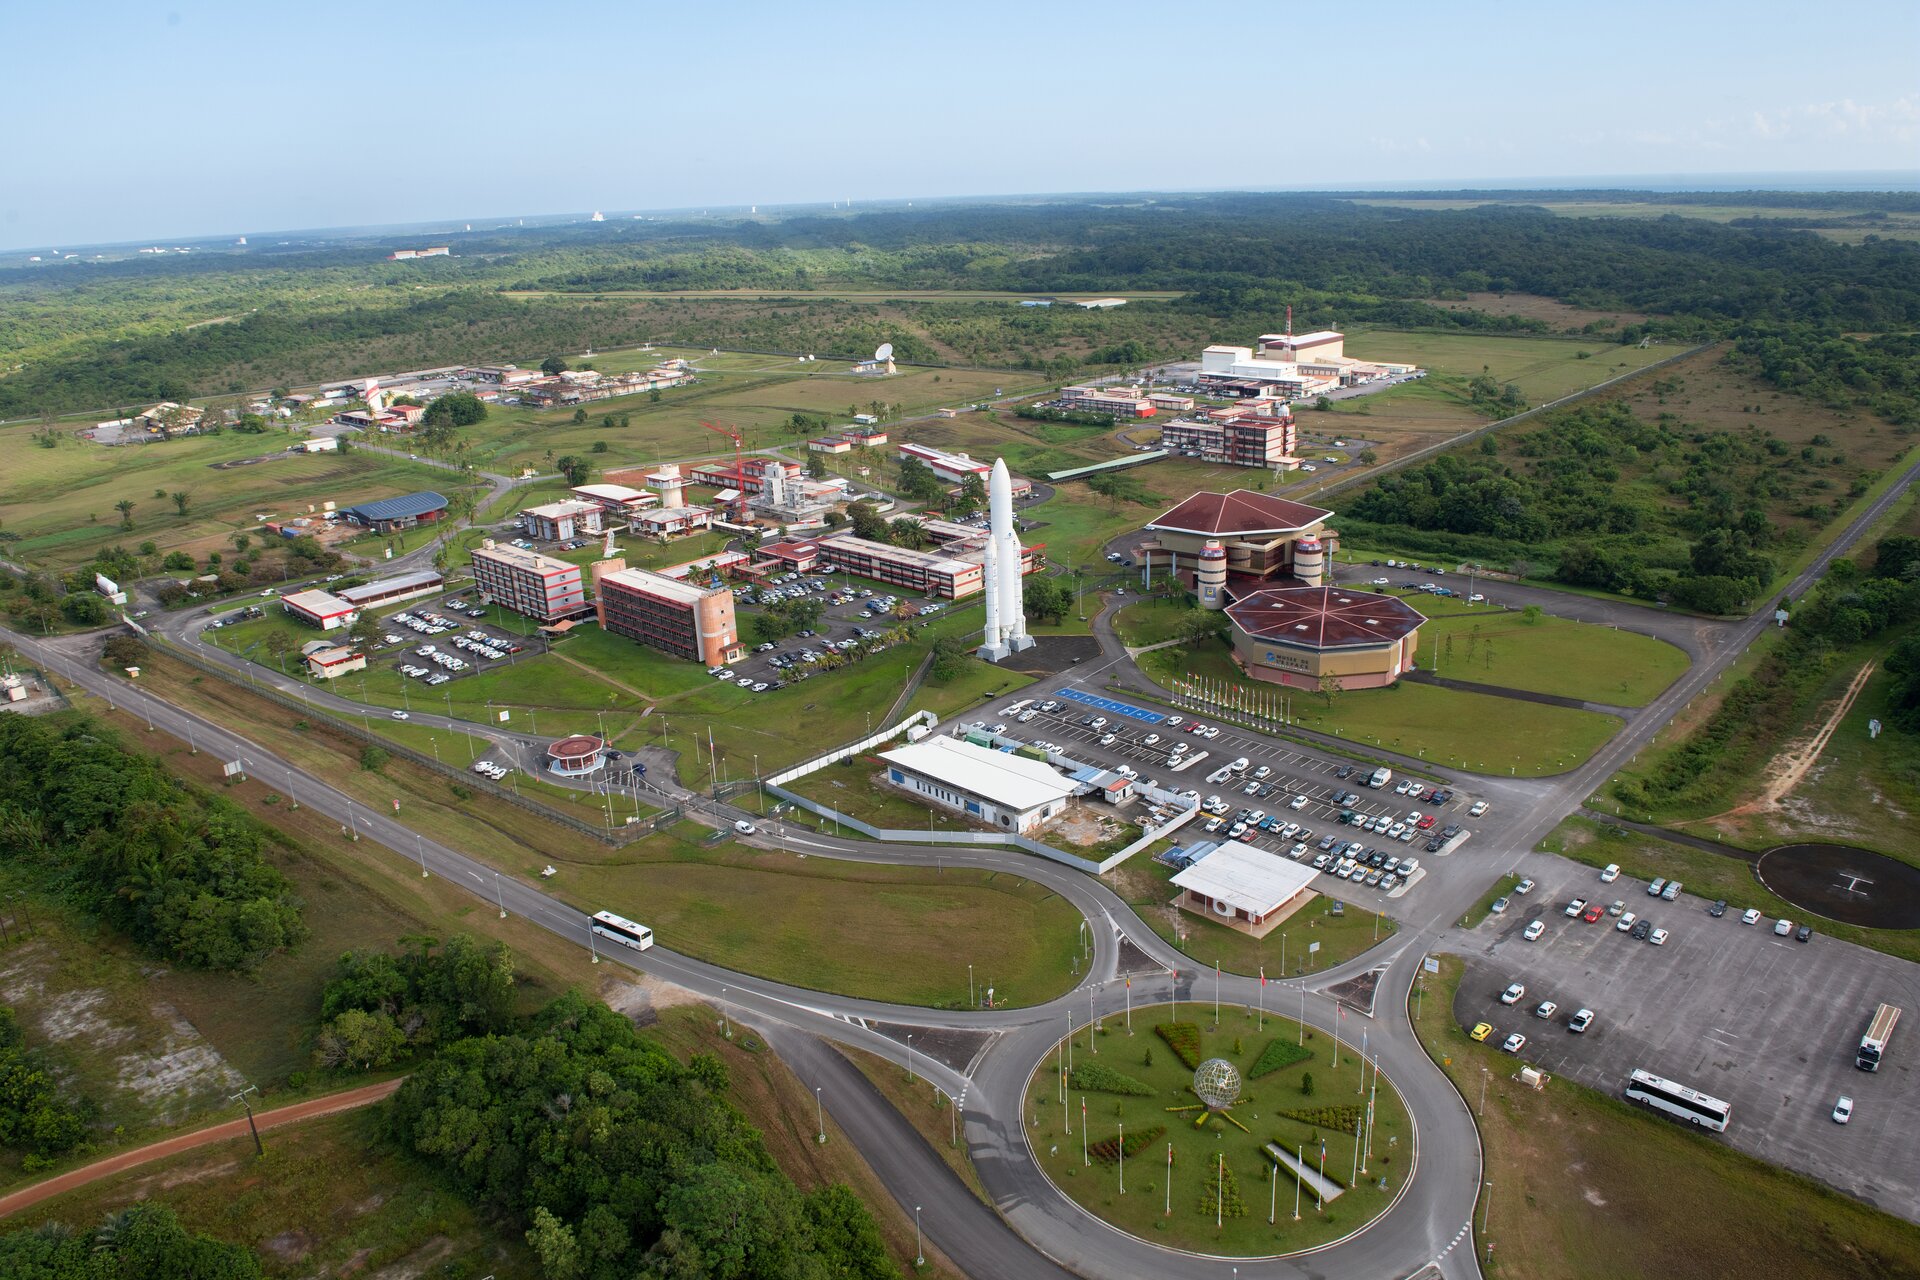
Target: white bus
x=1679, y=1101
x=623, y=931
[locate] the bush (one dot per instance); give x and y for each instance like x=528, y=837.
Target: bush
x=1183, y=1038
x=1094, y=1078
x=1222, y=1193
x=1277, y=1054
x=374, y=759
x=1107, y=1150
x=1336, y=1117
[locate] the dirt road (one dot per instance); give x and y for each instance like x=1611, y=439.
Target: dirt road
x=311, y=1109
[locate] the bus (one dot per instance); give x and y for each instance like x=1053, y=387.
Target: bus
x=1679, y=1101
x=621, y=930
x=1874, y=1043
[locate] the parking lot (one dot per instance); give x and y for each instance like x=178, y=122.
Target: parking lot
x=435, y=642
x=1759, y=1020
x=1289, y=801
x=843, y=626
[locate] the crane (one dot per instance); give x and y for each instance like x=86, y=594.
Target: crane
x=739, y=468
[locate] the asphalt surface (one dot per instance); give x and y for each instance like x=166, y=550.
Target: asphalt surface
x=1425, y=1229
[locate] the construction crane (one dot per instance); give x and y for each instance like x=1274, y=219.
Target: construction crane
x=739, y=468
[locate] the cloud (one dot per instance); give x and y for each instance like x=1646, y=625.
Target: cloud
x=1897, y=121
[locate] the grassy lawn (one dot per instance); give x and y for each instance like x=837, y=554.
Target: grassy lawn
x=1551, y=655
x=1077, y=523
x=1145, y=885
x=1544, y=368
x=1707, y=875
x=1589, y=1188
x=1147, y=622
x=1297, y=1106
x=331, y=1197
x=851, y=789
x=786, y=917
x=1476, y=731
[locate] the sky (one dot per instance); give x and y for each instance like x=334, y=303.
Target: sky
x=148, y=121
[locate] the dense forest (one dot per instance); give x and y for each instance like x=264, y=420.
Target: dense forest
x=179, y=871
x=113, y=334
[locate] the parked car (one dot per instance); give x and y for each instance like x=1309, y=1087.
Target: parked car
x=1546, y=1010
x=1611, y=873
x=1750, y=916
x=1843, y=1110
x=1514, y=993
x=1514, y=1043
x=1580, y=1021
x=1481, y=1030
x=1533, y=932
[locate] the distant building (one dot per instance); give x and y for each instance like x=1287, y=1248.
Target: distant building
x=1101, y=304
x=991, y=787
x=928, y=571
x=616, y=500
x=318, y=444
x=1121, y=402
x=530, y=584
x=751, y=476
x=390, y=515
x=405, y=255
x=576, y=756
x=109, y=588
x=563, y=521
x=670, y=614
x=401, y=586
x=320, y=609
x=1263, y=538
x=831, y=444
x=1257, y=433
x=673, y=521
x=1292, y=365
x=1242, y=887
x=954, y=468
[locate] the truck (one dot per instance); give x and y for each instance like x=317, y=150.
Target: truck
x=1874, y=1043
x=1380, y=778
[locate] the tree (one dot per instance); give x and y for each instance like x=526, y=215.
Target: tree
x=364, y=632
x=816, y=464
x=601, y=446
x=84, y=608
x=1368, y=457
x=456, y=409
x=972, y=499
x=125, y=508
x=359, y=1038
x=278, y=644
x=575, y=469
x=1047, y=599
x=240, y=542
x=1202, y=624
x=552, y=1242
x=181, y=501
x=553, y=366
x=868, y=523
x=952, y=656
x=1329, y=685
x=579, y=416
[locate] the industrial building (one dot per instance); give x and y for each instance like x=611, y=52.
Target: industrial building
x=669, y=614
x=616, y=500
x=1294, y=366
x=563, y=521
x=1264, y=539
x=401, y=586
x=390, y=515
x=954, y=468
x=321, y=609
x=1299, y=636
x=995, y=788
x=1119, y=402
x=328, y=661
x=1244, y=888
x=536, y=586
x=1254, y=433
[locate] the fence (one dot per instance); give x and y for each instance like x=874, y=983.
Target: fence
x=612, y=835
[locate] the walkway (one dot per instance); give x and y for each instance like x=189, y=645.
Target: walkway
x=312, y=1109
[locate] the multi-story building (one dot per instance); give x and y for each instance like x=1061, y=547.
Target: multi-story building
x=540, y=587
x=617, y=500
x=954, y=468
x=1237, y=436
x=1121, y=402
x=750, y=477
x=562, y=521
x=669, y=614
x=1264, y=538
x=928, y=571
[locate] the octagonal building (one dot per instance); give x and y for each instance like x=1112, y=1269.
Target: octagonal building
x=1296, y=635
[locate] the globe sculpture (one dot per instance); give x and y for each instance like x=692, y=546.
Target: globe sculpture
x=1217, y=1083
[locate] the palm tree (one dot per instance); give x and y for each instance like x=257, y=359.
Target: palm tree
x=125, y=508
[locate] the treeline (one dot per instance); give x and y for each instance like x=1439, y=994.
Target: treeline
x=178, y=871
x=38, y=1115
x=378, y=1009
x=1853, y=603
x=145, y=1241
x=620, y=1161
x=1880, y=374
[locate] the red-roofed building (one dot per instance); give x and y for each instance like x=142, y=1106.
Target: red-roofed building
x=1265, y=538
x=1300, y=635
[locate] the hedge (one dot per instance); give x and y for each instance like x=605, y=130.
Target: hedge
x=1277, y=1054
x=1183, y=1038
x=1094, y=1078
x=1340, y=1118
x=1107, y=1150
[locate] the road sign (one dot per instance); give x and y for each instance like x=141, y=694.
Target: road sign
x=233, y=768
x=504, y=715
x=1312, y=947
x=1430, y=965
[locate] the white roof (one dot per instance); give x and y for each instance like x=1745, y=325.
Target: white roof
x=561, y=510
x=659, y=584
x=1245, y=877
x=321, y=604
x=612, y=492
x=1008, y=781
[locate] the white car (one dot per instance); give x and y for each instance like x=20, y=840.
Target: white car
x=1658, y=937
x=1379, y=582
x=1843, y=1110
x=1150, y=740
x=1514, y=1043
x=1514, y=994
x=1611, y=874
x=1479, y=807
x=1625, y=922
x=1546, y=1010
x=1532, y=934
x=1750, y=916
x=401, y=715
x=1783, y=927
x=744, y=827
x=1297, y=803
x=1580, y=1021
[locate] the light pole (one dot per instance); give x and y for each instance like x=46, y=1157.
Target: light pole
x=1486, y=1209
x=498, y=897
x=1485, y=1075
x=420, y=849
x=910, y=1074
x=819, y=1117
x=919, y=1254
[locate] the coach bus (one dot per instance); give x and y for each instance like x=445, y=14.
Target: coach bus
x=621, y=930
x=1678, y=1101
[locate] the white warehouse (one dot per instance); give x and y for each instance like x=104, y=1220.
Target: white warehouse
x=994, y=787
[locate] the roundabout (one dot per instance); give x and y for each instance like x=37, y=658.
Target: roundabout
x=1844, y=883
x=1191, y=1137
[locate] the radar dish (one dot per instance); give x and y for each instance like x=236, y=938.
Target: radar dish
x=885, y=352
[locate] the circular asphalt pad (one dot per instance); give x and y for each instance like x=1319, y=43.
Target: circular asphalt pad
x=1853, y=886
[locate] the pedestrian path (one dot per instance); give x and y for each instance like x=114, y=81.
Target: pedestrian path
x=1325, y=1188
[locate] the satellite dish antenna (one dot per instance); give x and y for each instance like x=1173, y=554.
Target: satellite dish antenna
x=885, y=352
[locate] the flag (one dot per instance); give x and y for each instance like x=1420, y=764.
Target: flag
x=1263, y=975
x=1129, y=984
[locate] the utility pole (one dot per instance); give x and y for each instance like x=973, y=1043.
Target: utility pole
x=258, y=1150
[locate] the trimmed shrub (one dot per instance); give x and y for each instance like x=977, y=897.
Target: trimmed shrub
x=1183, y=1038
x=1222, y=1192
x=1339, y=1118
x=1107, y=1150
x=1277, y=1054
x=1094, y=1078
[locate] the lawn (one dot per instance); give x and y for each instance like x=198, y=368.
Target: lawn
x=1313, y=1100
x=1146, y=622
x=850, y=788
x=787, y=917
x=1144, y=884
x=330, y=1197
x=1544, y=368
x=1586, y=1187
x=1076, y=524
x=1475, y=731
x=1550, y=655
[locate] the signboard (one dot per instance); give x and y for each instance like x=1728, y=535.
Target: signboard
x=233, y=768
x=1312, y=947
x=1430, y=965
x=503, y=716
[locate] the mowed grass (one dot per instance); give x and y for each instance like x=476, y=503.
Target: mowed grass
x=1480, y=732
x=901, y=934
x=332, y=1196
x=61, y=501
x=1277, y=1108
x=1550, y=655
x=1586, y=1187
x=1544, y=368
x=1147, y=622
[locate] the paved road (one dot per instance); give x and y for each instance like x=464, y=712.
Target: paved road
x=986, y=1055
x=312, y=1109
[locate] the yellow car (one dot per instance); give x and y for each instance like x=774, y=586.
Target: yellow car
x=1482, y=1030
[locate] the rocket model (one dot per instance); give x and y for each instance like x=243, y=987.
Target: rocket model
x=1006, y=631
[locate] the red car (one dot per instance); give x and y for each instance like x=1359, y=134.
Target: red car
x=1425, y=823
x=1594, y=912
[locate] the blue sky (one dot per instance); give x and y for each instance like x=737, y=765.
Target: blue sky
x=150, y=121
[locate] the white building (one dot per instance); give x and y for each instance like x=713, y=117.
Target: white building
x=1243, y=887
x=993, y=787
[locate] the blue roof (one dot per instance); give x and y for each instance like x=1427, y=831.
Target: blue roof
x=407, y=504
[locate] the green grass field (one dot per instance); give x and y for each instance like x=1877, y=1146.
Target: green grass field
x=1480, y=732
x=1552, y=655
x=1544, y=368
x=1586, y=1187
x=1147, y=622
x=1296, y=1106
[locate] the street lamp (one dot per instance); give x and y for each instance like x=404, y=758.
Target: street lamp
x=919, y=1254
x=819, y=1117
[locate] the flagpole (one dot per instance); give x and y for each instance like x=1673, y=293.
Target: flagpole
x=1300, y=1164
x=1169, y=1180
x=1129, y=1006
x=1262, y=1024
x=1085, y=1163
